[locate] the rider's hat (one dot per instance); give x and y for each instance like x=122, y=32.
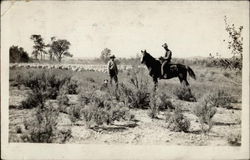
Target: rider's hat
x=165, y=45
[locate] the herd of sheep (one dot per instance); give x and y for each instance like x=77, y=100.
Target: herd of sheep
x=72, y=67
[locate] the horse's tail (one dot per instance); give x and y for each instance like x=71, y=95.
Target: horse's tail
x=190, y=72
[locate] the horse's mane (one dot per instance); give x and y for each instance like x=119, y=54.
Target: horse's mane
x=149, y=60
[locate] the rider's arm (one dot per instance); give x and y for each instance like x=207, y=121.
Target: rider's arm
x=168, y=54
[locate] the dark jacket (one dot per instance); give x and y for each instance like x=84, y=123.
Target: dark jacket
x=168, y=55
x=112, y=68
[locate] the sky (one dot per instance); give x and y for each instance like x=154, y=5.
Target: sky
x=190, y=28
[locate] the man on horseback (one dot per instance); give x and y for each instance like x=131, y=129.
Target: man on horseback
x=166, y=61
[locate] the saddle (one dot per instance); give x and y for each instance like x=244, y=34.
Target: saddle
x=162, y=60
x=173, y=68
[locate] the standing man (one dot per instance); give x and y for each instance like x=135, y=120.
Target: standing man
x=113, y=70
x=167, y=59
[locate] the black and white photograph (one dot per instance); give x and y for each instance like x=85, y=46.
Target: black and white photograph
x=124, y=79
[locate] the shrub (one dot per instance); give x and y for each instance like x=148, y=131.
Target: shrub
x=64, y=135
x=72, y=86
x=75, y=112
x=177, y=121
x=133, y=97
x=63, y=100
x=100, y=98
x=18, y=80
x=234, y=139
x=205, y=111
x=136, y=94
x=34, y=99
x=42, y=128
x=165, y=102
x=168, y=115
x=49, y=82
x=221, y=98
x=184, y=93
x=140, y=88
x=84, y=98
x=18, y=129
x=118, y=113
x=96, y=116
x=159, y=102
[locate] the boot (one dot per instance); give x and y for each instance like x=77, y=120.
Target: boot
x=163, y=76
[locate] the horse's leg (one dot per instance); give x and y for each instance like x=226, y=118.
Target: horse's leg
x=180, y=76
x=186, y=82
x=180, y=79
x=185, y=79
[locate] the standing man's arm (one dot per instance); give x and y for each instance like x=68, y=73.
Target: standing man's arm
x=116, y=68
x=108, y=66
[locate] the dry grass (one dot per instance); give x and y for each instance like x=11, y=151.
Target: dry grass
x=103, y=107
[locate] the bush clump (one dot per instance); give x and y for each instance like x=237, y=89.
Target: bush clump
x=221, y=98
x=177, y=121
x=96, y=116
x=234, y=139
x=75, y=113
x=100, y=108
x=49, y=82
x=135, y=94
x=205, y=111
x=47, y=85
x=184, y=93
x=34, y=99
x=43, y=127
x=159, y=102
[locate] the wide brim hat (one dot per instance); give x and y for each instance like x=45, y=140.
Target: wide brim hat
x=112, y=56
x=165, y=45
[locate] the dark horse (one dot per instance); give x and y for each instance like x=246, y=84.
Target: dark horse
x=175, y=70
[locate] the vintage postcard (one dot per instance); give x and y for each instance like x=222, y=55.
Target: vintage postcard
x=125, y=80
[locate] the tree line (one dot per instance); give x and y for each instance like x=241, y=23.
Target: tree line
x=56, y=49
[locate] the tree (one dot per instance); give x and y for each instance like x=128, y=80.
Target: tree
x=39, y=45
x=60, y=49
x=235, y=44
x=17, y=54
x=105, y=54
x=51, y=55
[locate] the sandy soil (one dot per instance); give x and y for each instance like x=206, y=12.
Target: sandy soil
x=146, y=131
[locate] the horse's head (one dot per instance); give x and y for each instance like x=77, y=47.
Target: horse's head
x=144, y=56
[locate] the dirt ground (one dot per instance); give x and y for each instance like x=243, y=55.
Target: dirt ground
x=146, y=131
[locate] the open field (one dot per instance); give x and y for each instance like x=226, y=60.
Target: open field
x=135, y=114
